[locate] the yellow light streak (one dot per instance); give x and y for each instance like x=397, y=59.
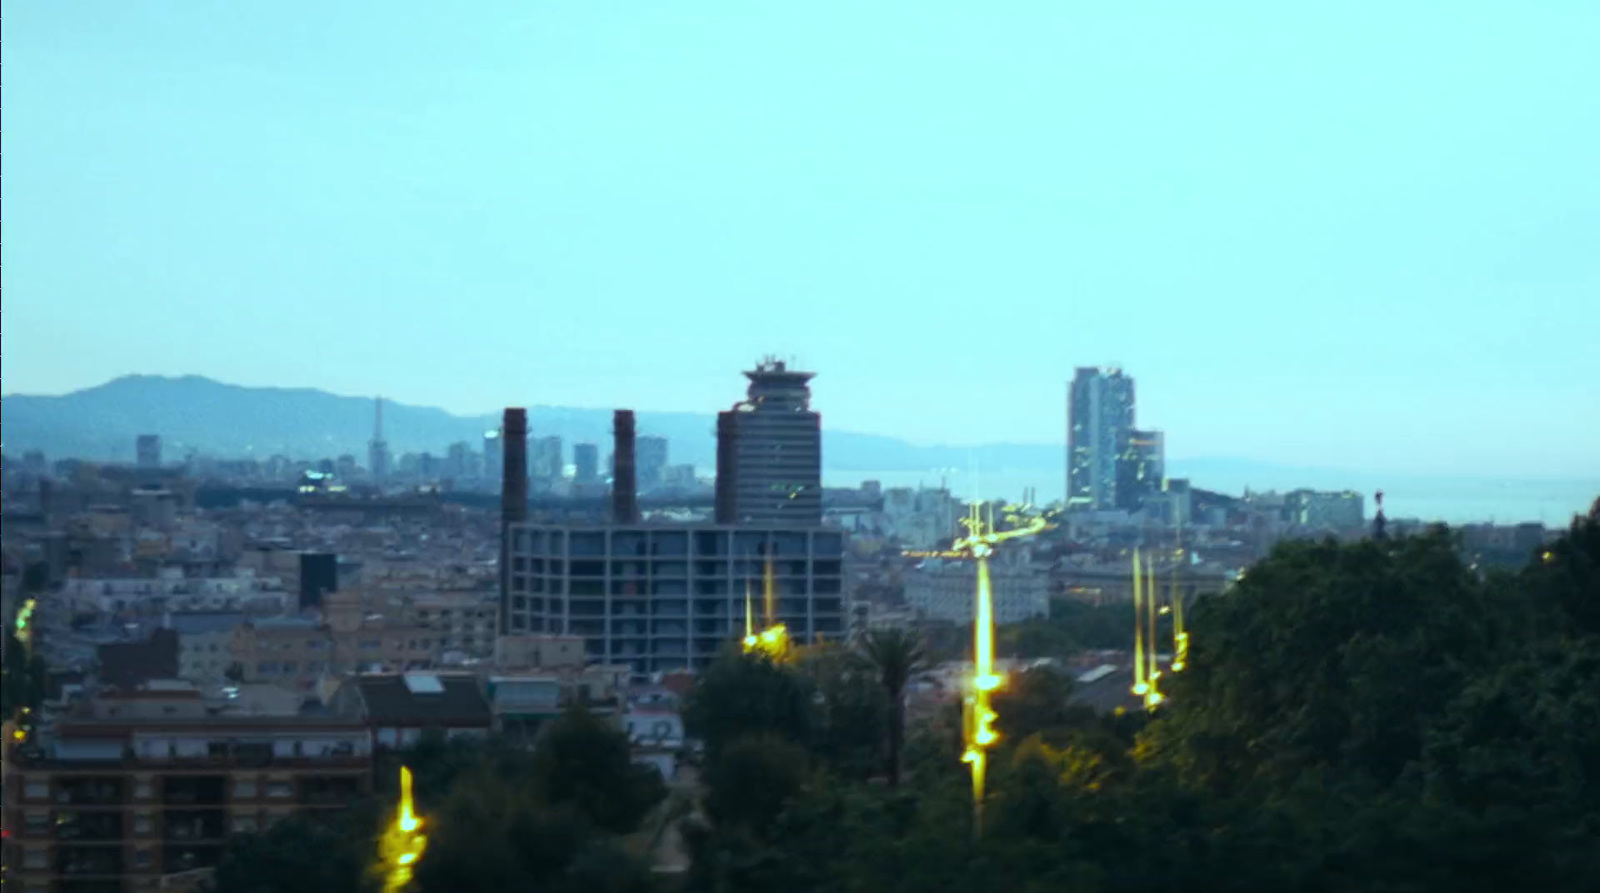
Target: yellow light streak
x=1180, y=637
x=404, y=841
x=773, y=640
x=1141, y=685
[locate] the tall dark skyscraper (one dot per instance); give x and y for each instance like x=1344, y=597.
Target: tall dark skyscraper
x=769, y=451
x=378, y=448
x=585, y=462
x=1099, y=425
x=148, y=450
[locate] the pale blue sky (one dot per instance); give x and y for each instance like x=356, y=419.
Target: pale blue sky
x=1361, y=235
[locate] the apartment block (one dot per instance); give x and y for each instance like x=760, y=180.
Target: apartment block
x=149, y=783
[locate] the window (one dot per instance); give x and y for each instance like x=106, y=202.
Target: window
x=244, y=789
x=313, y=666
x=267, y=668
x=36, y=859
x=38, y=790
x=290, y=666
x=314, y=645
x=245, y=824
x=143, y=789
x=142, y=823
x=141, y=858
x=280, y=789
x=38, y=822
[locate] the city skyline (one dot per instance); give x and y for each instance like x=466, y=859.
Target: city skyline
x=1337, y=245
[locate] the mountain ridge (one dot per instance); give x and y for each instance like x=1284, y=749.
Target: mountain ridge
x=194, y=413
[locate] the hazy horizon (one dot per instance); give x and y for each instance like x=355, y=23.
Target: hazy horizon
x=1318, y=237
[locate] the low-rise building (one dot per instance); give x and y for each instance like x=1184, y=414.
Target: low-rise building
x=400, y=708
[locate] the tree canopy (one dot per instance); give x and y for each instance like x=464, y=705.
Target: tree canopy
x=1355, y=717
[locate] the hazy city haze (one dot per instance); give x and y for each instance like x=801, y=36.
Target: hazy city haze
x=1355, y=237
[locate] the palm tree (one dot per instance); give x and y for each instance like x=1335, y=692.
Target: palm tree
x=897, y=654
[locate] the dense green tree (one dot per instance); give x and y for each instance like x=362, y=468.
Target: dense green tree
x=751, y=780
x=305, y=853
x=1038, y=700
x=582, y=762
x=742, y=694
x=897, y=654
x=1567, y=573
x=1325, y=655
x=850, y=710
x=491, y=835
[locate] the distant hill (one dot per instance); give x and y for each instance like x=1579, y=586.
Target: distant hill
x=193, y=413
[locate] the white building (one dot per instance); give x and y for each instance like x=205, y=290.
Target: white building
x=943, y=590
x=171, y=591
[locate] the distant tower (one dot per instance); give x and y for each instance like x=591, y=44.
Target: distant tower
x=493, y=456
x=1379, y=522
x=148, y=450
x=769, y=451
x=378, y=448
x=1099, y=428
x=585, y=462
x=513, y=496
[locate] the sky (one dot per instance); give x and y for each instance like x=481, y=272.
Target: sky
x=1358, y=235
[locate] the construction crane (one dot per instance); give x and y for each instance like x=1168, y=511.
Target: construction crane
x=978, y=715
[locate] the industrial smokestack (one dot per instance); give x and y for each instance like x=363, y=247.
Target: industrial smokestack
x=514, y=487
x=513, y=498
x=624, y=472
x=727, y=483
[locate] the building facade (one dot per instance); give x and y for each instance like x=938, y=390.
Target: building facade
x=585, y=462
x=943, y=590
x=153, y=783
x=656, y=598
x=1141, y=467
x=769, y=452
x=547, y=462
x=652, y=460
x=1099, y=421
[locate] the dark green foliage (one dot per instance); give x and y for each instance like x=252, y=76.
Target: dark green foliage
x=897, y=655
x=748, y=785
x=1362, y=717
x=309, y=853
x=1072, y=626
x=850, y=711
x=498, y=817
x=743, y=694
x=583, y=764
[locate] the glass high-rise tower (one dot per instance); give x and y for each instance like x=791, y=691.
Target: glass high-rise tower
x=1099, y=425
